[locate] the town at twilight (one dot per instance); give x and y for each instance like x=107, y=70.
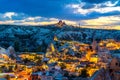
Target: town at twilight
x=60, y=40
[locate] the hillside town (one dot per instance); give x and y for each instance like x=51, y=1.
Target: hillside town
x=63, y=60
x=59, y=39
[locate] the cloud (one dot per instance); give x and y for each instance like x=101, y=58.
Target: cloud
x=95, y=1
x=7, y=22
x=12, y=16
x=111, y=22
x=41, y=12
x=57, y=8
x=84, y=9
x=110, y=4
x=23, y=19
x=106, y=22
x=9, y=15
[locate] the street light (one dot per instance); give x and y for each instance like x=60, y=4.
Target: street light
x=16, y=77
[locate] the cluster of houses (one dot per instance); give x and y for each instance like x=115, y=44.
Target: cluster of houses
x=65, y=60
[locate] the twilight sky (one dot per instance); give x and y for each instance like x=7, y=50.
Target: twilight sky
x=89, y=13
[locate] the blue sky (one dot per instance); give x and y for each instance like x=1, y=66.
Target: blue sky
x=90, y=13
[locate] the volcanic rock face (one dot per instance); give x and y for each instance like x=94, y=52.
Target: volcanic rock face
x=11, y=51
x=7, y=53
x=37, y=38
x=60, y=23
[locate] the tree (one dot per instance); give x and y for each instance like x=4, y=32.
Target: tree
x=6, y=45
x=38, y=62
x=39, y=49
x=12, y=57
x=84, y=36
x=66, y=74
x=16, y=66
x=26, y=60
x=44, y=46
x=1, y=70
x=84, y=73
x=62, y=65
x=7, y=77
x=26, y=50
x=16, y=45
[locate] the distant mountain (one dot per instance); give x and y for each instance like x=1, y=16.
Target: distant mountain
x=37, y=38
